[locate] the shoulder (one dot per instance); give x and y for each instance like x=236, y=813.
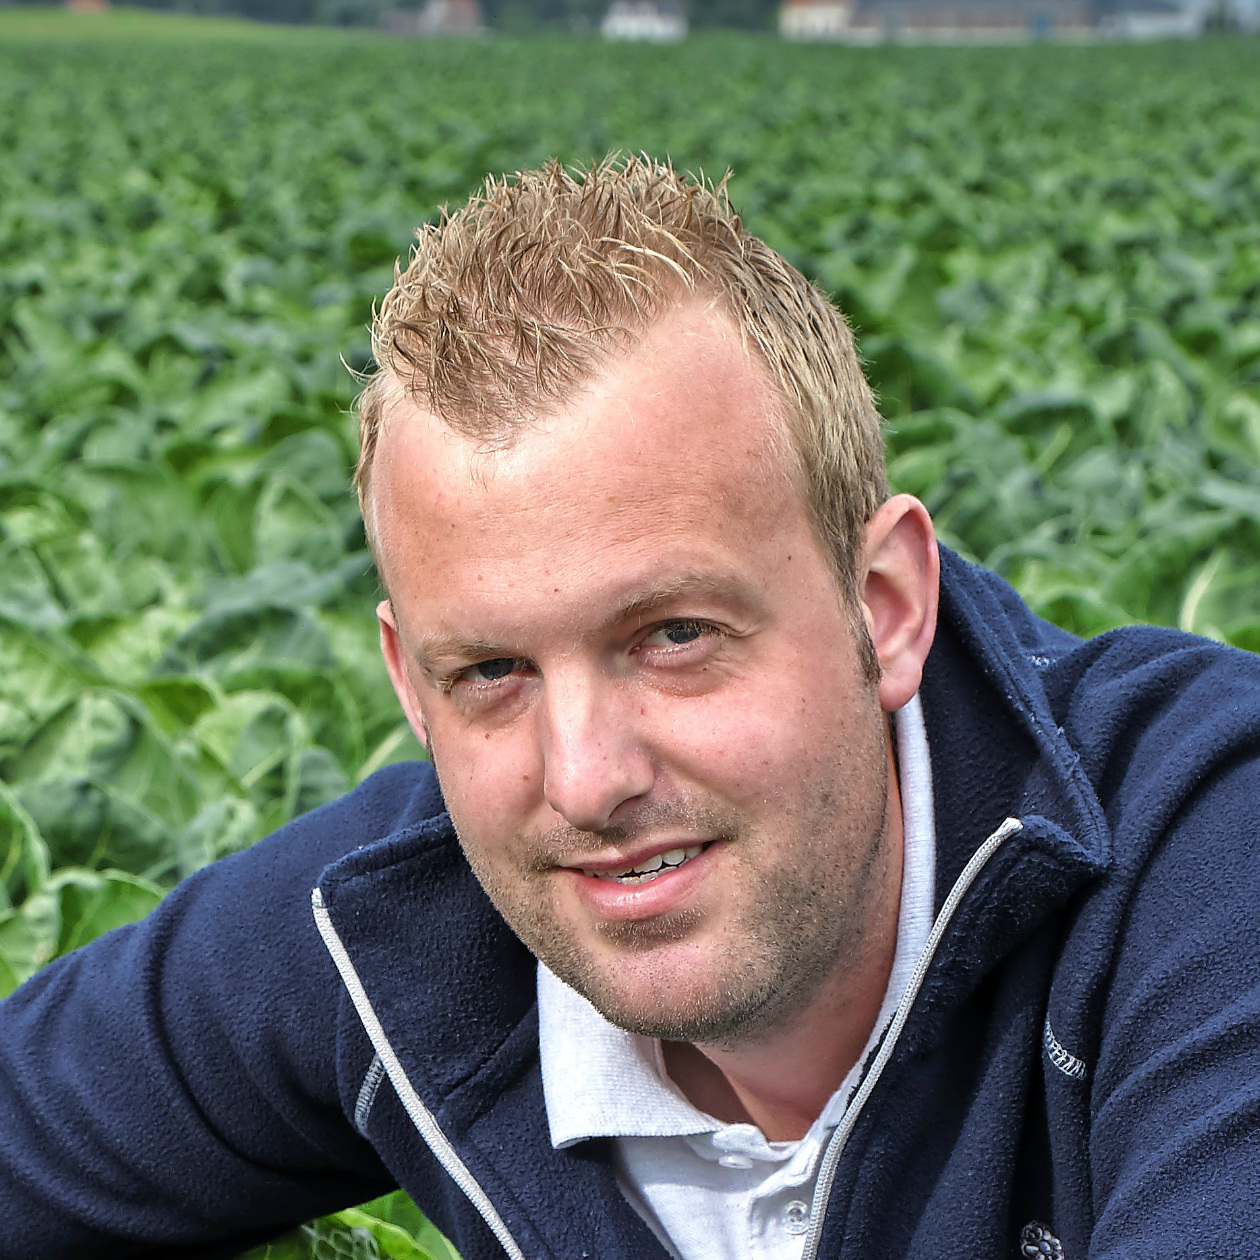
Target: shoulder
x=258, y=902
x=1149, y=713
x=1157, y=718
x=1167, y=727
x=237, y=943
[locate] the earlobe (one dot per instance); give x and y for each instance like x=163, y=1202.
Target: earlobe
x=395, y=664
x=899, y=586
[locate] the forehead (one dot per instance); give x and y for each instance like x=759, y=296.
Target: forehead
x=678, y=453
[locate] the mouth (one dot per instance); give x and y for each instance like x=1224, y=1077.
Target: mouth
x=650, y=868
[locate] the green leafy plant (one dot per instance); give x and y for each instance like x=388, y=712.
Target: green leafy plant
x=1051, y=256
x=390, y=1228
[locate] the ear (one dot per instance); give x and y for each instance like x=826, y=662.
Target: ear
x=898, y=587
x=395, y=663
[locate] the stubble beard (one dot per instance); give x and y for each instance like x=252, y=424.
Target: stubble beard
x=804, y=919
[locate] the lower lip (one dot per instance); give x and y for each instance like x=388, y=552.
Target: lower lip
x=610, y=899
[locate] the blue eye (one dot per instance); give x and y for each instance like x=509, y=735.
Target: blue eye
x=492, y=670
x=683, y=632
x=678, y=633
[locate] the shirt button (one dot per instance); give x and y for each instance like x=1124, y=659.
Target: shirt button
x=735, y=1161
x=796, y=1217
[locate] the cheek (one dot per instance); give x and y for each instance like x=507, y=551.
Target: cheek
x=764, y=742
x=741, y=742
x=491, y=785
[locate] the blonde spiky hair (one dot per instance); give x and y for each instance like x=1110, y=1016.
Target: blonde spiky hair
x=519, y=297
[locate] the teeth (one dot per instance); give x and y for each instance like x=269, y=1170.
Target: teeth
x=653, y=867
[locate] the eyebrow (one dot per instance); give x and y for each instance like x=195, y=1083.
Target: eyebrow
x=440, y=647
x=637, y=606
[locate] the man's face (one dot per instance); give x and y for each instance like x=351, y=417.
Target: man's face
x=641, y=689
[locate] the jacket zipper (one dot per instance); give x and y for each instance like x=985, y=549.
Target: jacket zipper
x=420, y=1115
x=835, y=1148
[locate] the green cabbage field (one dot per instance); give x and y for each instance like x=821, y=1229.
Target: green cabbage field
x=1051, y=255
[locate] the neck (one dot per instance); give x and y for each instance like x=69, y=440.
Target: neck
x=782, y=1081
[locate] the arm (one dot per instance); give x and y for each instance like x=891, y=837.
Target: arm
x=176, y=1082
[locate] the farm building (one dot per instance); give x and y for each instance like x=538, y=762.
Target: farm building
x=1174, y=19
x=438, y=17
x=660, y=21
x=816, y=19
x=932, y=21
x=1003, y=21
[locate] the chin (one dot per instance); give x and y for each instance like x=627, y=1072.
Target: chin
x=702, y=1023
x=697, y=1006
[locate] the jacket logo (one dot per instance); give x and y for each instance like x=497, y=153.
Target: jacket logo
x=1036, y=1242
x=1064, y=1060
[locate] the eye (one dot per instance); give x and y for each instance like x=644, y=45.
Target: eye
x=676, y=634
x=489, y=671
x=486, y=683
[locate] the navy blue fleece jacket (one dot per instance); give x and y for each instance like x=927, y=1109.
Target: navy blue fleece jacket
x=340, y=1009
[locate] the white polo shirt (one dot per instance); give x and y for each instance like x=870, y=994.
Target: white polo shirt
x=709, y=1190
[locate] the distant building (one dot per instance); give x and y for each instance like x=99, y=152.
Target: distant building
x=977, y=21
x=1003, y=21
x=1154, y=19
x=87, y=6
x=816, y=19
x=660, y=21
x=438, y=17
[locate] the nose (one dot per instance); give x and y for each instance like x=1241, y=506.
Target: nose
x=594, y=759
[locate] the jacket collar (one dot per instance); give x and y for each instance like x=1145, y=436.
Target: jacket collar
x=998, y=752
x=996, y=747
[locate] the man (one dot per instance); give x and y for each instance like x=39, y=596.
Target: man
x=759, y=913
